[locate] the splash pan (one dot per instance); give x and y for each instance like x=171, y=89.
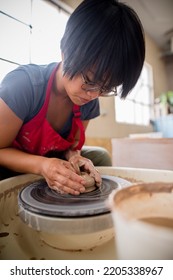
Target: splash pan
x=69, y=222
x=18, y=241
x=38, y=198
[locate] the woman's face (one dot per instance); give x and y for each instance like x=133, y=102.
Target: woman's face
x=76, y=93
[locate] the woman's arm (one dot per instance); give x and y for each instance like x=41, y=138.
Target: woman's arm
x=69, y=153
x=59, y=174
x=77, y=161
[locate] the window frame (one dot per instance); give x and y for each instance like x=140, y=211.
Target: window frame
x=9, y=62
x=134, y=103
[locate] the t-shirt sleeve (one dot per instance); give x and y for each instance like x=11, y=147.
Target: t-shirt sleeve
x=91, y=110
x=16, y=90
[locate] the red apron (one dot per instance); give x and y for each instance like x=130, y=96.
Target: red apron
x=38, y=137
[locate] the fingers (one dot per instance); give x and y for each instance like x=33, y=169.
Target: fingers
x=61, y=177
x=58, y=190
x=79, y=161
x=67, y=184
x=88, y=165
x=75, y=165
x=96, y=175
x=64, y=190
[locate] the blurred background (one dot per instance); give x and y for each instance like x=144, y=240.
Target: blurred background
x=31, y=30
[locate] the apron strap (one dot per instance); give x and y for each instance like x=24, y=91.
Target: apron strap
x=48, y=90
x=78, y=122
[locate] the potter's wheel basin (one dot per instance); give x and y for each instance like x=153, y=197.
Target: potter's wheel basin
x=69, y=222
x=45, y=210
x=24, y=243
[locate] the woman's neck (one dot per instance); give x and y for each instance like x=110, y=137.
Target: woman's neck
x=58, y=86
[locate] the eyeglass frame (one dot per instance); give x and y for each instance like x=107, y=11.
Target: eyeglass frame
x=101, y=90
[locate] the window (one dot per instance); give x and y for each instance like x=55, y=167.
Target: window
x=137, y=107
x=31, y=33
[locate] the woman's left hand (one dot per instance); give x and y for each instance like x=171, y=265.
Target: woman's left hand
x=77, y=161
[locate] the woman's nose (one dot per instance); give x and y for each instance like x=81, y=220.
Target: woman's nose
x=92, y=94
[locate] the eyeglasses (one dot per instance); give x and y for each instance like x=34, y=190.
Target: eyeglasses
x=93, y=87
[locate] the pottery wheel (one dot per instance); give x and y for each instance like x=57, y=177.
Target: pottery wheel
x=40, y=199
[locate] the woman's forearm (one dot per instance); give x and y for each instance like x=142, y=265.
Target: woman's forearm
x=69, y=153
x=59, y=174
x=20, y=161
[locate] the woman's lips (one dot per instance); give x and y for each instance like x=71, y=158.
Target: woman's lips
x=83, y=101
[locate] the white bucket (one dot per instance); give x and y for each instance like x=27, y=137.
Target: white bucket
x=143, y=221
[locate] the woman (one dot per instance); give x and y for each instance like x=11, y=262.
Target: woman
x=45, y=110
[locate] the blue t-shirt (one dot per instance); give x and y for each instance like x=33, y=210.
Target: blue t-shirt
x=24, y=91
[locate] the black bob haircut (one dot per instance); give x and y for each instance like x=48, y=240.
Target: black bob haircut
x=108, y=36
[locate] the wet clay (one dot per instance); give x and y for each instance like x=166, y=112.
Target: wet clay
x=90, y=182
x=159, y=221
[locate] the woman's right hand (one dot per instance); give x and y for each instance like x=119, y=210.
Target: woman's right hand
x=61, y=176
